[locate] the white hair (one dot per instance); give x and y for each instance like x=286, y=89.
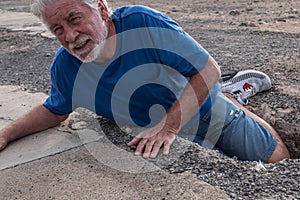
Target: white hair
x=38, y=7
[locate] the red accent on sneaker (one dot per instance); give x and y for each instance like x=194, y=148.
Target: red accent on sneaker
x=247, y=87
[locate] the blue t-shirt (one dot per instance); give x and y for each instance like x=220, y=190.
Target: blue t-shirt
x=153, y=62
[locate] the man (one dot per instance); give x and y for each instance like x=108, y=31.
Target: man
x=123, y=65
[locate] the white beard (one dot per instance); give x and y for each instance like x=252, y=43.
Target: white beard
x=94, y=53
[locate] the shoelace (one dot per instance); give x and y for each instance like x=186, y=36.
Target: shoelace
x=240, y=99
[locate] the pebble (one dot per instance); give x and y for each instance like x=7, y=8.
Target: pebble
x=234, y=12
x=248, y=24
x=128, y=130
x=79, y=125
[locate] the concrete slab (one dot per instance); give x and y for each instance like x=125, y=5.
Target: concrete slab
x=23, y=21
x=77, y=175
x=14, y=102
x=54, y=164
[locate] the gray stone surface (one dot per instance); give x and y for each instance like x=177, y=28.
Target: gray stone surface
x=23, y=21
x=14, y=103
x=77, y=175
x=73, y=162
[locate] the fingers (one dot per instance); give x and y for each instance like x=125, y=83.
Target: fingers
x=150, y=141
x=141, y=136
x=167, y=148
x=155, y=150
x=134, y=141
x=141, y=147
x=3, y=143
x=156, y=147
x=149, y=147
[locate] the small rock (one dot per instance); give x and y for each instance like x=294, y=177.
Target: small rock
x=284, y=111
x=260, y=166
x=281, y=20
x=128, y=130
x=79, y=125
x=234, y=12
x=248, y=24
x=294, y=11
x=258, y=65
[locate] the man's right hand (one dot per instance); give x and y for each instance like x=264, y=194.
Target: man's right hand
x=36, y=120
x=3, y=143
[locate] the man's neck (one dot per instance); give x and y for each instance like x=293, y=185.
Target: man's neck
x=110, y=45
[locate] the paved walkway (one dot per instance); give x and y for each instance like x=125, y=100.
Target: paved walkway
x=77, y=162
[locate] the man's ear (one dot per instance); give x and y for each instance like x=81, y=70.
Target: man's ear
x=102, y=5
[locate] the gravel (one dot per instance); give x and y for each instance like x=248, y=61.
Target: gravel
x=239, y=179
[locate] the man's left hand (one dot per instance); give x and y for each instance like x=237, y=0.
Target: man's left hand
x=152, y=139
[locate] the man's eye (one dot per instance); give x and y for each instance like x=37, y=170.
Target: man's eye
x=57, y=31
x=75, y=20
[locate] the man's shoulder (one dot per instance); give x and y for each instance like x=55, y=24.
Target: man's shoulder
x=127, y=11
x=143, y=16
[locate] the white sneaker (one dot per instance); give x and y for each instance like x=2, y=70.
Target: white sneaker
x=245, y=84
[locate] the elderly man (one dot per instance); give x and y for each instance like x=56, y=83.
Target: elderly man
x=137, y=66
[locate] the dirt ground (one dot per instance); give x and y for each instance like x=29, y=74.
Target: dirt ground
x=257, y=34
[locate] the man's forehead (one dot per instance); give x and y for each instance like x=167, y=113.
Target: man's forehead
x=64, y=8
x=62, y=5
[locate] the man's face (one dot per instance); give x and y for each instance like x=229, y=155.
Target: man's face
x=80, y=29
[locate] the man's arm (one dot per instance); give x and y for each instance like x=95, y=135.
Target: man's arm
x=192, y=97
x=38, y=119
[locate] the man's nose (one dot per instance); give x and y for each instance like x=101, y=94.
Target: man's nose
x=70, y=34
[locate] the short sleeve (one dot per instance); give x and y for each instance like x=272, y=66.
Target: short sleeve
x=63, y=73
